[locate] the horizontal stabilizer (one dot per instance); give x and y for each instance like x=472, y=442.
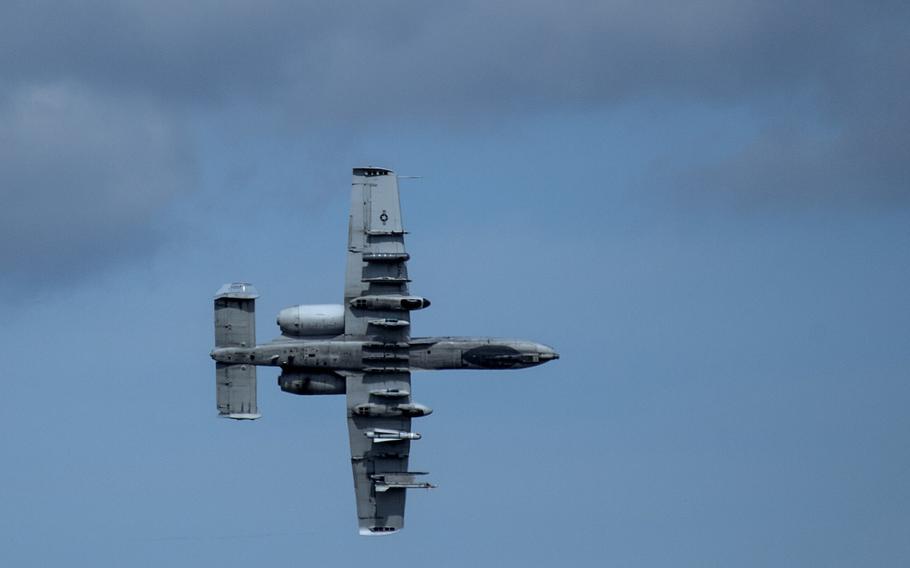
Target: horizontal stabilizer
x=235, y=326
x=235, y=390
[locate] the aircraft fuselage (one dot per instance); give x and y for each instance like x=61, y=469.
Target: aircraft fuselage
x=420, y=354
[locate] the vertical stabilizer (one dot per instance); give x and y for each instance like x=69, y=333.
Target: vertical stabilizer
x=235, y=326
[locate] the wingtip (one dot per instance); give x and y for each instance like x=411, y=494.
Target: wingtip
x=378, y=531
x=241, y=416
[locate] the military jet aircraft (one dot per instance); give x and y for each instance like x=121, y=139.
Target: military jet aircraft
x=362, y=349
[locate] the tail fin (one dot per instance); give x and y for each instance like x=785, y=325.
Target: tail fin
x=235, y=326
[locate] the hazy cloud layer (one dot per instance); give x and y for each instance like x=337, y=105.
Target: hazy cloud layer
x=93, y=94
x=82, y=173
x=358, y=58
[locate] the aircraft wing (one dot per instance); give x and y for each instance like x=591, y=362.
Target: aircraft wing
x=379, y=404
x=380, y=444
x=377, y=260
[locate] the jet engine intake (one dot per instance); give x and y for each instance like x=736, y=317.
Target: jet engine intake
x=299, y=382
x=312, y=320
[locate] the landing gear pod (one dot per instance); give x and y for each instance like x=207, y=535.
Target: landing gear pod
x=406, y=303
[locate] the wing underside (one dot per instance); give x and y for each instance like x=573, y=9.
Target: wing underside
x=380, y=445
x=377, y=259
x=379, y=403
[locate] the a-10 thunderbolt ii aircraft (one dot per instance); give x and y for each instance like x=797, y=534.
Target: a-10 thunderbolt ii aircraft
x=362, y=349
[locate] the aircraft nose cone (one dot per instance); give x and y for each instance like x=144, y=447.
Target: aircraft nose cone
x=548, y=353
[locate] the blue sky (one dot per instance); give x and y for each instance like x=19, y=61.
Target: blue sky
x=704, y=209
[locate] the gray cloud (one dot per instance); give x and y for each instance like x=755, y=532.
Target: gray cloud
x=116, y=77
x=82, y=175
x=465, y=55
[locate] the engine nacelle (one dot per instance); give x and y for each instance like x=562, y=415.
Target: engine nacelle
x=312, y=320
x=302, y=382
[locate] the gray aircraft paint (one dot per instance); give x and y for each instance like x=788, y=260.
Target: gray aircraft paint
x=361, y=348
x=235, y=328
